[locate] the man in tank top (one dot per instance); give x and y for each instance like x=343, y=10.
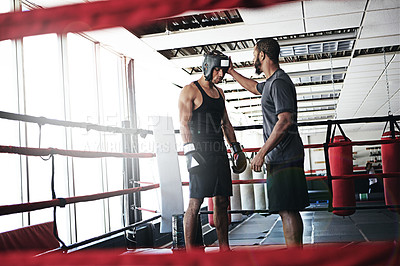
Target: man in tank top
x=283, y=150
x=203, y=124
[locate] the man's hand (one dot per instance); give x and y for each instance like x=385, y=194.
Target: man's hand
x=247, y=83
x=229, y=71
x=257, y=162
x=239, y=160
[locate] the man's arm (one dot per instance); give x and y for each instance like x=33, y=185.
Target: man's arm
x=248, y=84
x=279, y=131
x=227, y=128
x=239, y=161
x=185, y=105
x=226, y=125
x=194, y=160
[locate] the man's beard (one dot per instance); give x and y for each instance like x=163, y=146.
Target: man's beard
x=257, y=65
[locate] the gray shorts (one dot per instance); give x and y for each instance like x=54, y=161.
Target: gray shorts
x=214, y=179
x=287, y=187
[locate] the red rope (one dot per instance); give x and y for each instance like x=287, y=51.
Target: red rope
x=366, y=142
x=311, y=178
x=147, y=210
x=72, y=153
x=258, y=181
x=144, y=182
x=251, y=181
x=250, y=149
x=318, y=177
x=24, y=207
x=313, y=146
x=106, y=14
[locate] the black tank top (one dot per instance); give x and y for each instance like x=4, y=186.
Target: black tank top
x=205, y=124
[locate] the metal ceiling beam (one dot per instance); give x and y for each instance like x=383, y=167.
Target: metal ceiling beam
x=318, y=99
x=318, y=72
x=347, y=34
x=308, y=110
x=315, y=118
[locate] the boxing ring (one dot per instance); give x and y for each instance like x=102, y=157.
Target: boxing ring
x=50, y=229
x=50, y=248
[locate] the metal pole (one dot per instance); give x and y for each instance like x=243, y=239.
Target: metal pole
x=129, y=203
x=134, y=138
x=328, y=168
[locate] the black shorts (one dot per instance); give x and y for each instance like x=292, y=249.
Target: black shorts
x=287, y=187
x=214, y=179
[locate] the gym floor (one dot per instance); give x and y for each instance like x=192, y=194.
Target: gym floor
x=320, y=227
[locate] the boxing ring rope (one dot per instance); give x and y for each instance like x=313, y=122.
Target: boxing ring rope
x=72, y=153
x=338, y=144
x=308, y=178
x=96, y=154
x=88, y=126
x=9, y=209
x=105, y=14
x=391, y=118
x=61, y=202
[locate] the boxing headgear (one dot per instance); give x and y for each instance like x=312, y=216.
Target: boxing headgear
x=214, y=60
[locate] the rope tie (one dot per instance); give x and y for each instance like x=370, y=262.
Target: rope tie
x=333, y=85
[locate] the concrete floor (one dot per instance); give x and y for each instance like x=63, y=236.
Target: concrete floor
x=320, y=227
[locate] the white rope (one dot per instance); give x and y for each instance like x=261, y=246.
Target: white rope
x=333, y=86
x=387, y=82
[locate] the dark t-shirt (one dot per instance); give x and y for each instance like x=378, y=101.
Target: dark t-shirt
x=278, y=96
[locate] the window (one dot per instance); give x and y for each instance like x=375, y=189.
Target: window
x=10, y=179
x=5, y=6
x=43, y=97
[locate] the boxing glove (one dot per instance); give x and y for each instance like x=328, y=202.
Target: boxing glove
x=194, y=161
x=239, y=161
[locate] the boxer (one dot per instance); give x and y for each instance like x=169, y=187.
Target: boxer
x=204, y=123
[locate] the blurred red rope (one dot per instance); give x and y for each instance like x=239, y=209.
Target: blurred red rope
x=24, y=207
x=106, y=14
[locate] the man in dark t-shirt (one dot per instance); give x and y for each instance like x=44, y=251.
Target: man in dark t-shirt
x=283, y=150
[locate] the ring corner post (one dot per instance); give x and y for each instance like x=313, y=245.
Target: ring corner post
x=168, y=169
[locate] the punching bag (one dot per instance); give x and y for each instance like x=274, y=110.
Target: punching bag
x=259, y=191
x=211, y=216
x=391, y=163
x=341, y=163
x=247, y=190
x=236, y=203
